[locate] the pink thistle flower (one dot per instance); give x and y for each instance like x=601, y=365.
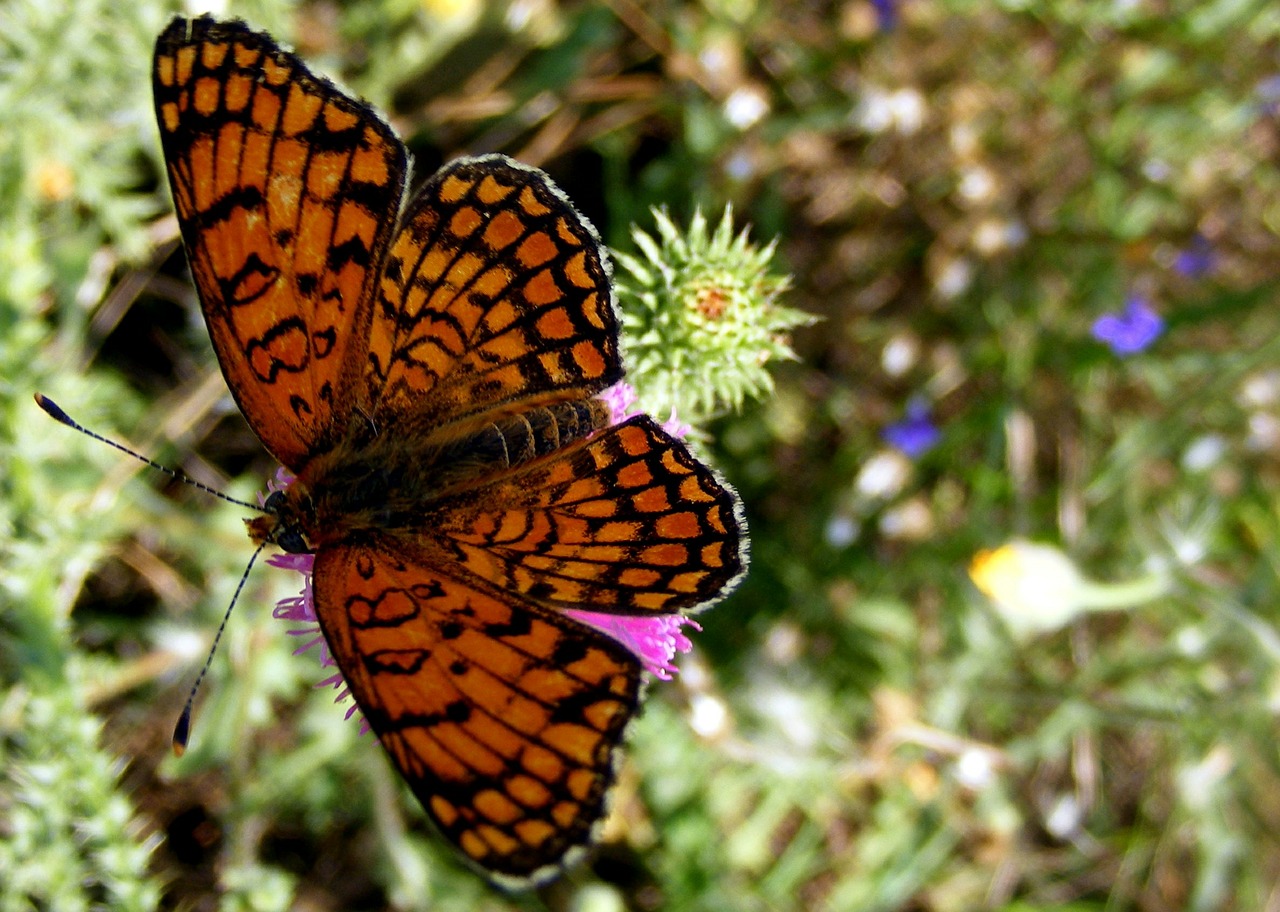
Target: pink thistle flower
x=301, y=609
x=621, y=399
x=653, y=640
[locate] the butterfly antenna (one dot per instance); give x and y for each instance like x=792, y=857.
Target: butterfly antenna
x=182, y=731
x=53, y=410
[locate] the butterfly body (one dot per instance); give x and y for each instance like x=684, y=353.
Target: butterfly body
x=378, y=484
x=429, y=371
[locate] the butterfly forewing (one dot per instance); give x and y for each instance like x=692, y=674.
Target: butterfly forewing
x=496, y=296
x=502, y=718
x=286, y=191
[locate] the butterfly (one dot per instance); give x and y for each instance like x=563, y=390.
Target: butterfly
x=428, y=367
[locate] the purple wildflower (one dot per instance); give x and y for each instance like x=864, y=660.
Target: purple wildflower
x=1267, y=91
x=916, y=433
x=1196, y=259
x=886, y=13
x=1133, y=330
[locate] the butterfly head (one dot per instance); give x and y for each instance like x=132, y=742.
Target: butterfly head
x=287, y=514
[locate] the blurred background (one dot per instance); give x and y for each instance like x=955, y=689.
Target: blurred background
x=1011, y=637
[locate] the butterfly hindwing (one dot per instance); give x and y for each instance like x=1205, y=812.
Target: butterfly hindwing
x=503, y=718
x=627, y=522
x=286, y=191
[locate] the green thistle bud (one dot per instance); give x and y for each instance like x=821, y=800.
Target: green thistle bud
x=700, y=317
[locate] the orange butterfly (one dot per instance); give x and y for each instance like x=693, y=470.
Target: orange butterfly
x=429, y=373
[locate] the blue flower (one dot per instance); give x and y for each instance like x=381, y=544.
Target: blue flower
x=886, y=13
x=1196, y=259
x=1133, y=330
x=915, y=434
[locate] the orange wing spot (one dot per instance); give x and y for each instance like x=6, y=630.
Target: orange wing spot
x=583, y=492
x=565, y=813
x=542, y=289
x=492, y=283
x=651, y=500
x=245, y=56
x=185, y=61
x=566, y=232
x=674, y=464
x=555, y=324
x=169, y=117
x=549, y=684
x=463, y=224
x=576, y=271
x=266, y=114
x=713, y=555
x=665, y=555
x=273, y=73
x=206, y=94
x=212, y=55
x=638, y=577
x=532, y=206
x=164, y=71
x=239, y=92
x=536, y=249
x=581, y=783
x=338, y=118
x=576, y=742
x=497, y=807
x=692, y=490
x=433, y=264
x=369, y=166
x=688, y=582
x=497, y=839
x=678, y=525
x=543, y=763
x=592, y=310
x=616, y=531
x=465, y=268
x=529, y=791
x=635, y=475
x=504, y=229
x=652, y=601
x=589, y=358
x=300, y=111
x=501, y=315
x=534, y=832
x=446, y=812
x=454, y=188
x=490, y=192
x=472, y=845
x=633, y=440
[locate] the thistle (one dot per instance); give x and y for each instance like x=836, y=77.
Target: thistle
x=700, y=317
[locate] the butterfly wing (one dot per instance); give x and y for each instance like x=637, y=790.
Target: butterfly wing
x=496, y=297
x=286, y=191
x=503, y=718
x=627, y=522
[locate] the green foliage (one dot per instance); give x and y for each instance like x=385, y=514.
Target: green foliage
x=958, y=197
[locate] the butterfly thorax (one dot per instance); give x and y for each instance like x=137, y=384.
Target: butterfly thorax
x=383, y=481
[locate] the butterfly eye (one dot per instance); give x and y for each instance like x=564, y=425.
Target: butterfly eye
x=291, y=540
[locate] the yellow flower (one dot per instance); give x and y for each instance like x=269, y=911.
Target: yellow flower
x=1035, y=588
